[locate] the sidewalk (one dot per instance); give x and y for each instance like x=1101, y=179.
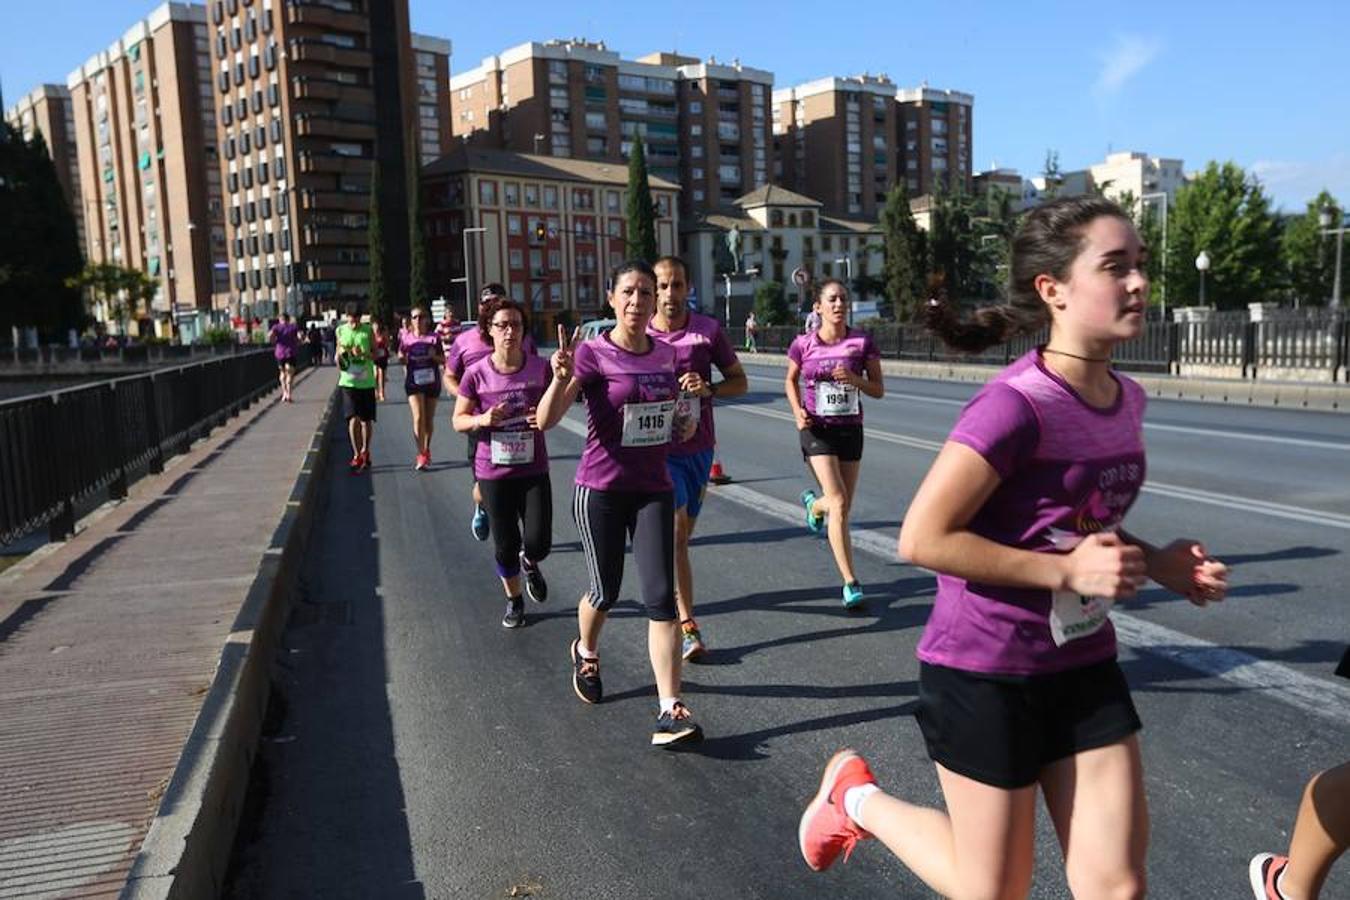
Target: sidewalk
x=133, y=664
x=1246, y=392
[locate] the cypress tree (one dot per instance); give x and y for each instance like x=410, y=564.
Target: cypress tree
x=641, y=211
x=417, y=246
x=379, y=293
x=905, y=245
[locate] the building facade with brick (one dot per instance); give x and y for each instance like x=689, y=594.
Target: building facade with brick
x=47, y=110
x=553, y=229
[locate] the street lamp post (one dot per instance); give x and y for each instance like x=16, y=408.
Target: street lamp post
x=1202, y=266
x=726, y=277
x=537, y=138
x=468, y=278
x=1163, y=197
x=848, y=281
x=1324, y=218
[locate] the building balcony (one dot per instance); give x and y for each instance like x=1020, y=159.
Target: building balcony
x=333, y=164
x=302, y=50
x=322, y=16
x=305, y=88
x=327, y=127
x=326, y=271
x=335, y=201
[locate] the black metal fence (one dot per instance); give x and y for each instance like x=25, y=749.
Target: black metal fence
x=59, y=450
x=140, y=354
x=1317, y=341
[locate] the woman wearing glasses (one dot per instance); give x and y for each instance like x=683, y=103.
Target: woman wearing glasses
x=420, y=351
x=497, y=399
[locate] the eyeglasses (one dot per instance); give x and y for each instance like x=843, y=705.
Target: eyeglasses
x=507, y=326
x=418, y=316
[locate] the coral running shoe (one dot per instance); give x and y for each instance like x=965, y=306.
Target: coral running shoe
x=1264, y=871
x=826, y=830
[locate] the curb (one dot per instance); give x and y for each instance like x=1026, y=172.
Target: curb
x=1314, y=396
x=187, y=849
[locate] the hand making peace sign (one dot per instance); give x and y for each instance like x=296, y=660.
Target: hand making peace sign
x=562, y=357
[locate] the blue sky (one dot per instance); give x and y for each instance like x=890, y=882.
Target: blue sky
x=1266, y=85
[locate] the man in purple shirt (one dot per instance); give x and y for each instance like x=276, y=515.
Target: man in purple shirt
x=285, y=336
x=700, y=343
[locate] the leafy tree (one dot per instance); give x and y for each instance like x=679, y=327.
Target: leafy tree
x=1051, y=172
x=117, y=292
x=641, y=211
x=417, y=244
x=771, y=305
x=906, y=252
x=379, y=289
x=1225, y=213
x=1310, y=256
x=994, y=230
x=954, y=242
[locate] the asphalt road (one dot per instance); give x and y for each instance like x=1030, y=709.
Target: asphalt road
x=417, y=749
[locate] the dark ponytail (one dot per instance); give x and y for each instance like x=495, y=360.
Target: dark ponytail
x=1047, y=242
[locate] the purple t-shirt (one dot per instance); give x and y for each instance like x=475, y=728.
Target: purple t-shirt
x=420, y=352
x=1068, y=470
x=818, y=360
x=287, y=337
x=698, y=345
x=517, y=449
x=469, y=347
x=625, y=393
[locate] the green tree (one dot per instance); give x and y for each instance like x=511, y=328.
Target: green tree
x=641, y=211
x=40, y=252
x=906, y=249
x=994, y=230
x=378, y=297
x=417, y=243
x=771, y=305
x=1053, y=176
x=954, y=241
x=1225, y=213
x=1310, y=256
x=119, y=294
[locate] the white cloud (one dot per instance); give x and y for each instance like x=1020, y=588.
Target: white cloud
x=1130, y=54
x=1292, y=183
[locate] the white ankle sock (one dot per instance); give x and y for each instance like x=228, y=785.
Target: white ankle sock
x=668, y=704
x=853, y=801
x=586, y=652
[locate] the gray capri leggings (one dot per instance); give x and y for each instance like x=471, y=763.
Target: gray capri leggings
x=605, y=521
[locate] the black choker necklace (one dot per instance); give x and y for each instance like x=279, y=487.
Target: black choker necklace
x=1076, y=356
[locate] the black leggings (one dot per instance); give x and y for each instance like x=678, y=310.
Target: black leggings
x=511, y=502
x=606, y=520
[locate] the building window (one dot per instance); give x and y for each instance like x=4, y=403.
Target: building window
x=511, y=194
x=550, y=197
x=531, y=195
x=487, y=193
x=516, y=260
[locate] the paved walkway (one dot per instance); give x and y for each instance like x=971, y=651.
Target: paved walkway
x=109, y=644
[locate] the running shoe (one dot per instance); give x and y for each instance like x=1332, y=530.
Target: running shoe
x=676, y=727
x=423, y=462
x=813, y=522
x=853, y=595
x=535, y=585
x=1264, y=872
x=515, y=613
x=355, y=464
x=692, y=645
x=826, y=830
x=365, y=461
x=586, y=676
x=479, y=525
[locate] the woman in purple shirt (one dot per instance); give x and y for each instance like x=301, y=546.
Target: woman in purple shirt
x=419, y=349
x=286, y=336
x=1021, y=515
x=498, y=396
x=839, y=364
x=623, y=486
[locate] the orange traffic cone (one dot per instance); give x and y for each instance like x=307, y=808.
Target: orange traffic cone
x=717, y=475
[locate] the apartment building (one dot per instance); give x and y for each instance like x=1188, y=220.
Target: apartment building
x=47, y=110
x=934, y=133
x=146, y=152
x=554, y=227
x=311, y=96
x=837, y=141
x=704, y=124
x=1138, y=175
x=431, y=56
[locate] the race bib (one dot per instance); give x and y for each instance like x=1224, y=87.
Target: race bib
x=512, y=448
x=1073, y=616
x=423, y=377
x=647, y=424
x=835, y=399
x=690, y=405
x=358, y=371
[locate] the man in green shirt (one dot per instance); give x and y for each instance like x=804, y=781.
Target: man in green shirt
x=356, y=377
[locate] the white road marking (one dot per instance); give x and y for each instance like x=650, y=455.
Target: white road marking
x=1315, y=696
x=1173, y=491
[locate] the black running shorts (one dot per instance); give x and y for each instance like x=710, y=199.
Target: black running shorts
x=843, y=441
x=358, y=403
x=1002, y=730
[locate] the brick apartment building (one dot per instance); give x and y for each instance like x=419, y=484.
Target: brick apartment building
x=47, y=109
x=705, y=125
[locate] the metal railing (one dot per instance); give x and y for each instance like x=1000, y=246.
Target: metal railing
x=1226, y=343
x=60, y=449
x=143, y=354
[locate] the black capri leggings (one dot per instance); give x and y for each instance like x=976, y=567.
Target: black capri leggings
x=511, y=503
x=605, y=520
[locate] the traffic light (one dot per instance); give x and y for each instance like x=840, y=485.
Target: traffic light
x=540, y=232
